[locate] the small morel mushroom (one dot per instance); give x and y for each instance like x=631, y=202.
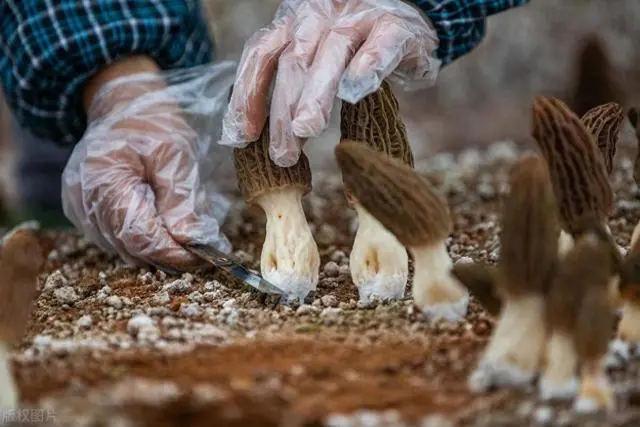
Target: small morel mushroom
x=418, y=217
x=604, y=123
x=577, y=168
x=480, y=279
x=595, y=79
x=580, y=317
x=20, y=263
x=290, y=257
x=627, y=341
x=379, y=263
x=528, y=255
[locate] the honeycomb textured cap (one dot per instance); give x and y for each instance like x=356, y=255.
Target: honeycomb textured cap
x=258, y=174
x=376, y=121
x=577, y=168
x=530, y=229
x=405, y=203
x=604, y=123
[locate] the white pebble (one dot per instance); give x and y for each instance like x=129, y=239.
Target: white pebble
x=114, y=301
x=543, y=415
x=306, y=309
x=329, y=301
x=139, y=322
x=84, y=322
x=345, y=270
x=464, y=260
x=191, y=310
x=331, y=269
x=177, y=286
x=55, y=280
x=66, y=295
x=229, y=303
x=161, y=298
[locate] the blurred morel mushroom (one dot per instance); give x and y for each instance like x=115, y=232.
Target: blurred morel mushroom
x=480, y=279
x=595, y=79
x=580, y=318
x=21, y=259
x=577, y=168
x=528, y=256
x=290, y=257
x=408, y=206
x=604, y=123
x=634, y=118
x=379, y=263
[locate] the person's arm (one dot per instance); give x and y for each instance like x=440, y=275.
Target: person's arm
x=461, y=24
x=50, y=50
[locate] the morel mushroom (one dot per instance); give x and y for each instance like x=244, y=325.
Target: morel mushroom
x=379, y=263
x=20, y=264
x=577, y=168
x=627, y=341
x=604, y=122
x=528, y=255
x=408, y=206
x=290, y=257
x=580, y=317
x=480, y=279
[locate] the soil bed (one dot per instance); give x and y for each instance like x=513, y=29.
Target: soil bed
x=115, y=345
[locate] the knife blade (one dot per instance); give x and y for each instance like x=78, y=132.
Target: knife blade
x=228, y=263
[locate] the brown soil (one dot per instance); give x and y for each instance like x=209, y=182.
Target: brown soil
x=221, y=354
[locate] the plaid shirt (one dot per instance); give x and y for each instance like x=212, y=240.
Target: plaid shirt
x=461, y=24
x=51, y=47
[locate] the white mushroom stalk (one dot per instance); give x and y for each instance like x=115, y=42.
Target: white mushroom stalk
x=528, y=251
x=20, y=264
x=580, y=317
x=379, y=262
x=290, y=257
x=410, y=208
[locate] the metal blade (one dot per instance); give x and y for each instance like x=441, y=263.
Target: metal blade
x=221, y=260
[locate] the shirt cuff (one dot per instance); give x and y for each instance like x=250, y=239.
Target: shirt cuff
x=461, y=24
x=50, y=49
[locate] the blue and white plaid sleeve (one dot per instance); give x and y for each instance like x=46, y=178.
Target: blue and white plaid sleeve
x=51, y=47
x=461, y=24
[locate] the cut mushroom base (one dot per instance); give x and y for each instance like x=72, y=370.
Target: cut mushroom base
x=595, y=391
x=290, y=257
x=435, y=290
x=559, y=380
x=515, y=351
x=8, y=390
x=379, y=263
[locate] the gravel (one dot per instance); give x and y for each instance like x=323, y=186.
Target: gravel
x=118, y=332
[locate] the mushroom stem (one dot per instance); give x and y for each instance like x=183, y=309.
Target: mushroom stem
x=566, y=241
x=8, y=390
x=515, y=350
x=435, y=290
x=595, y=391
x=290, y=255
x=629, y=327
x=378, y=262
x=559, y=380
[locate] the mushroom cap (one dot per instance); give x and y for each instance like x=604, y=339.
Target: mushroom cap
x=258, y=174
x=480, y=280
x=405, y=203
x=530, y=229
x=375, y=120
x=577, y=168
x=604, y=123
x=595, y=79
x=20, y=264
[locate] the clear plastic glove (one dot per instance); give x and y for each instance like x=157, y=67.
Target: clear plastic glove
x=316, y=50
x=135, y=182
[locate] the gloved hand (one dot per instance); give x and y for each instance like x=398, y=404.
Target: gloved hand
x=317, y=49
x=133, y=184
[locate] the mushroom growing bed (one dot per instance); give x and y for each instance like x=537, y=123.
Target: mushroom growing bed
x=111, y=345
